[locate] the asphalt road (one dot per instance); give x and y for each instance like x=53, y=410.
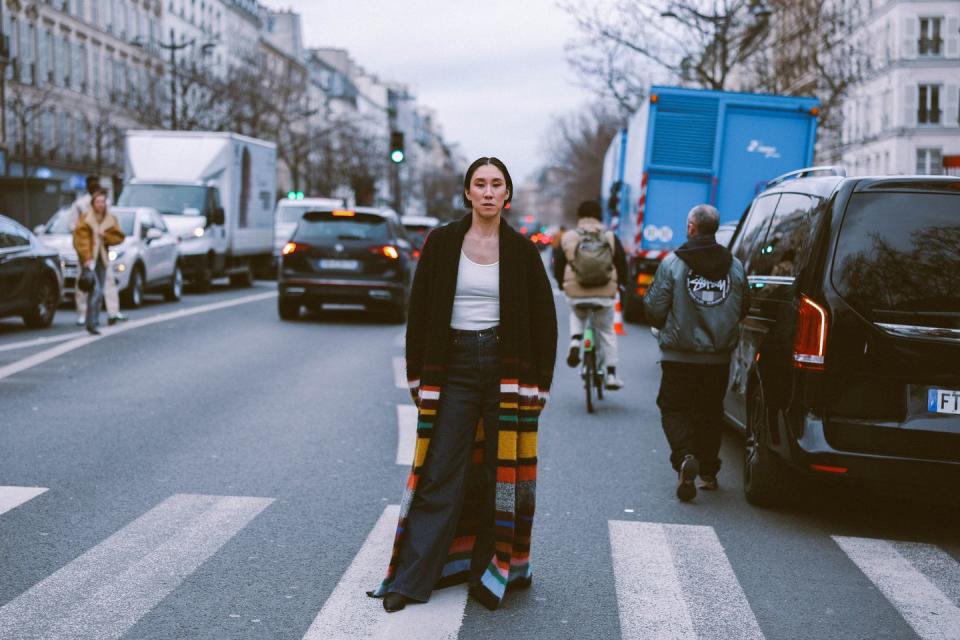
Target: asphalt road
x=224, y=474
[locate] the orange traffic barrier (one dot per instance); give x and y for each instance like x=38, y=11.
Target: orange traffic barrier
x=618, y=318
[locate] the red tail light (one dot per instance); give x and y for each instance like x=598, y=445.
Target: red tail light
x=388, y=251
x=293, y=247
x=810, y=340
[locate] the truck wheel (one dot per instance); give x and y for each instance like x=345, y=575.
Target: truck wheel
x=764, y=474
x=174, y=291
x=243, y=278
x=288, y=309
x=44, y=306
x=132, y=296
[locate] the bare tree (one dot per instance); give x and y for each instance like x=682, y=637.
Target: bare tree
x=26, y=107
x=697, y=41
x=576, y=144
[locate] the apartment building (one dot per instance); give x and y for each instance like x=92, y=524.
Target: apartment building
x=904, y=118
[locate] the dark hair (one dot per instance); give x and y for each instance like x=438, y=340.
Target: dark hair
x=589, y=209
x=93, y=183
x=479, y=162
x=97, y=193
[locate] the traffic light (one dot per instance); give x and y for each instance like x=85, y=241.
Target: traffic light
x=396, y=147
x=295, y=195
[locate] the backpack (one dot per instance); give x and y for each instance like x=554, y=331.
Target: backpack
x=592, y=262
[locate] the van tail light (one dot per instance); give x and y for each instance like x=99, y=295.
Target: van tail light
x=293, y=247
x=810, y=340
x=387, y=251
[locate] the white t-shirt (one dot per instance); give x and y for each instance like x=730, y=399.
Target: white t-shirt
x=476, y=303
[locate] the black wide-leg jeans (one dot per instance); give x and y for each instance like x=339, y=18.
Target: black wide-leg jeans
x=471, y=392
x=691, y=409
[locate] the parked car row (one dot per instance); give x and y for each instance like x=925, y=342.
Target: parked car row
x=30, y=275
x=847, y=363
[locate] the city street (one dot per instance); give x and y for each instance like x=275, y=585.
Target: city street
x=208, y=471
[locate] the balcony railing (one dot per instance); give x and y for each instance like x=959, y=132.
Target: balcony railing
x=929, y=116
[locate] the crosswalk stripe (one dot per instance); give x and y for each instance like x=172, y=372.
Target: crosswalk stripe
x=400, y=372
x=11, y=497
x=349, y=614
x=106, y=590
x=888, y=565
x=406, y=433
x=674, y=582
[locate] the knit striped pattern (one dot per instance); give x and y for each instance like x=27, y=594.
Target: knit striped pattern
x=520, y=406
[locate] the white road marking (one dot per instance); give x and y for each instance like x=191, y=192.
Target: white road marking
x=406, y=433
x=50, y=354
x=108, y=589
x=11, y=497
x=916, y=597
x=674, y=582
x=39, y=342
x=400, y=372
x=350, y=614
x=401, y=340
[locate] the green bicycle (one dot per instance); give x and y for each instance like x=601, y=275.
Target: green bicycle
x=591, y=355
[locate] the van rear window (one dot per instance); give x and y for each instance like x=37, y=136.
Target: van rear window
x=319, y=226
x=898, y=256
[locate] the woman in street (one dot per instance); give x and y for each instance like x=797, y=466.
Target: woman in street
x=480, y=347
x=96, y=230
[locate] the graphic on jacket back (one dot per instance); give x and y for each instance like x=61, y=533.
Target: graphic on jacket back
x=706, y=292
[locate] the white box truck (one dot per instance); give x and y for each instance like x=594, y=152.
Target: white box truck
x=215, y=192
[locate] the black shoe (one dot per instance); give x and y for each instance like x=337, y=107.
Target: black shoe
x=93, y=331
x=709, y=483
x=573, y=356
x=484, y=597
x=394, y=602
x=686, y=489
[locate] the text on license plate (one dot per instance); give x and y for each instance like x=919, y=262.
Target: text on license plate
x=342, y=265
x=943, y=401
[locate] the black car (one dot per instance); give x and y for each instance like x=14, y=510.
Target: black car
x=30, y=276
x=848, y=363
x=356, y=256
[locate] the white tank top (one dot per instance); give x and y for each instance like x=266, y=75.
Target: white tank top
x=476, y=304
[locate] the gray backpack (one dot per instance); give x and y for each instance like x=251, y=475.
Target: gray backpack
x=592, y=262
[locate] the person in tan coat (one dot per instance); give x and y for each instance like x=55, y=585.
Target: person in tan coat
x=591, y=293
x=96, y=230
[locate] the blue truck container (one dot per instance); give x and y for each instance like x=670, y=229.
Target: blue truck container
x=685, y=147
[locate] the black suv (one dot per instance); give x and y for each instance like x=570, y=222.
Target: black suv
x=356, y=256
x=30, y=275
x=848, y=363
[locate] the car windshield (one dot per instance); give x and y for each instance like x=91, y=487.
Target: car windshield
x=418, y=233
x=61, y=223
x=898, y=255
x=169, y=199
x=293, y=212
x=319, y=227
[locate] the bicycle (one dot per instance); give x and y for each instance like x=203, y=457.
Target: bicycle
x=591, y=357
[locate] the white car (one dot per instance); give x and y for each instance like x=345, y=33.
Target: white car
x=288, y=214
x=418, y=227
x=147, y=260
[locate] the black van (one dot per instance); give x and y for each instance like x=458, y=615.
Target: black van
x=848, y=363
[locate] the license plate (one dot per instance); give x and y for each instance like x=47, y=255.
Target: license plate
x=69, y=273
x=943, y=401
x=340, y=265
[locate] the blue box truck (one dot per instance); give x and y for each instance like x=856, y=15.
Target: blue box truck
x=685, y=147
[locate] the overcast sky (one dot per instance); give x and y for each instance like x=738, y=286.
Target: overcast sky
x=494, y=70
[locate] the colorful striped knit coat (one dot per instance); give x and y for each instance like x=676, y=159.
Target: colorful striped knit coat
x=527, y=351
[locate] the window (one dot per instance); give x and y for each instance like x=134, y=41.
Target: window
x=26, y=53
x=929, y=161
x=785, y=247
x=755, y=227
x=12, y=236
x=930, y=43
x=82, y=64
x=928, y=110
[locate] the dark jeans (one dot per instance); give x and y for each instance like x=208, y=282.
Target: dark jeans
x=95, y=297
x=691, y=408
x=471, y=391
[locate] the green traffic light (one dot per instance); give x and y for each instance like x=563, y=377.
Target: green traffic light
x=396, y=156
x=291, y=195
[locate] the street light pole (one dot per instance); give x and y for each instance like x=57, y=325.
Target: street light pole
x=4, y=60
x=173, y=47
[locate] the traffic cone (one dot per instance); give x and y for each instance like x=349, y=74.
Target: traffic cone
x=618, y=318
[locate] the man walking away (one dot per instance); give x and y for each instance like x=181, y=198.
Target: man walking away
x=590, y=266
x=698, y=298
x=111, y=294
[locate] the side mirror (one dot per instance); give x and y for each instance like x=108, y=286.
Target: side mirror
x=153, y=234
x=216, y=216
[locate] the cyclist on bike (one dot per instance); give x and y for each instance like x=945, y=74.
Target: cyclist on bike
x=590, y=266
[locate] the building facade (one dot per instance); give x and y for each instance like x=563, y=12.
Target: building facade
x=904, y=118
